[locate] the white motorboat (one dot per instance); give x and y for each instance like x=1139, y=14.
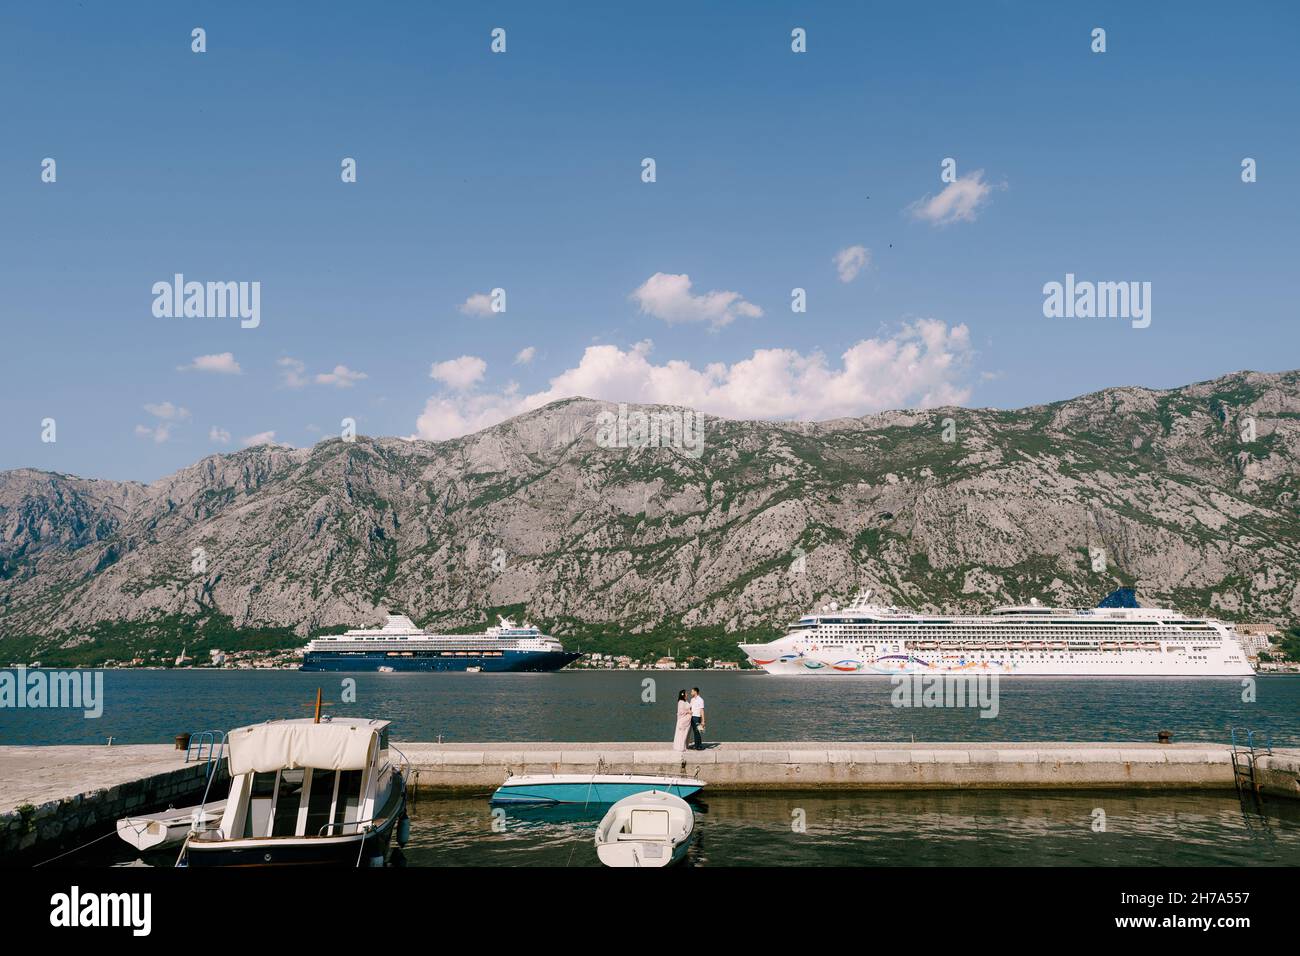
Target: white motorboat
x=156, y=831
x=645, y=829
x=308, y=793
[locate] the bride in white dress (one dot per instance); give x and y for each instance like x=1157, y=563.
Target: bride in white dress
x=683, y=721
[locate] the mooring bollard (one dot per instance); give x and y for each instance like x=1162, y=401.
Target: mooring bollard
x=182, y=741
x=1165, y=736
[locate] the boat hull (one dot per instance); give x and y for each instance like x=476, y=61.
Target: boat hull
x=632, y=854
x=158, y=831
x=660, y=837
x=509, y=662
x=587, y=790
x=368, y=849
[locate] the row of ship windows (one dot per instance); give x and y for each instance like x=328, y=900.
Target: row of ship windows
x=958, y=625
x=949, y=636
x=423, y=645
x=426, y=653
x=1016, y=655
x=909, y=632
x=953, y=649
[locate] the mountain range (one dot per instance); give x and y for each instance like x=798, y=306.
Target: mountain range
x=1188, y=494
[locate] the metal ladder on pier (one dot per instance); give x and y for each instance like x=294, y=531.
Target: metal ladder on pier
x=209, y=746
x=1246, y=750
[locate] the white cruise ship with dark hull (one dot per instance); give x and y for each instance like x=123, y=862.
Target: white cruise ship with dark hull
x=402, y=646
x=1118, y=638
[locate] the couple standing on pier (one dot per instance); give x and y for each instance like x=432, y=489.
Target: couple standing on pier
x=690, y=718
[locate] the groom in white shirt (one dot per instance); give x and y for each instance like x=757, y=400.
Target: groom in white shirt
x=697, y=718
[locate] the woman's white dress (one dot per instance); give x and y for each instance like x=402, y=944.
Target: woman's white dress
x=683, y=725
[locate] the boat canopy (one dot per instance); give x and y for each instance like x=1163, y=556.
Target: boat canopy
x=291, y=744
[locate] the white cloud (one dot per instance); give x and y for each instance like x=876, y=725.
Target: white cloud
x=262, y=438
x=449, y=416
x=480, y=303
x=920, y=365
x=959, y=201
x=460, y=373
x=222, y=363
x=159, y=434
x=851, y=261
x=168, y=412
x=526, y=355
x=292, y=374
x=219, y=435
x=169, y=416
x=341, y=377
x=669, y=297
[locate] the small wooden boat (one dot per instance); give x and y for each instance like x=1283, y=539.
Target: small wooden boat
x=304, y=792
x=645, y=829
x=156, y=831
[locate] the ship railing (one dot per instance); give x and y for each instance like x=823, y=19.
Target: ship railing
x=362, y=826
x=368, y=824
x=406, y=763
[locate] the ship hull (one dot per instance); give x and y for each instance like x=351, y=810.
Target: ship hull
x=503, y=662
x=803, y=665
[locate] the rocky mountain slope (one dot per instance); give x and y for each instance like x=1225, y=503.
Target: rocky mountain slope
x=1190, y=494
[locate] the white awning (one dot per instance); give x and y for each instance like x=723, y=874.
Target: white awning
x=289, y=745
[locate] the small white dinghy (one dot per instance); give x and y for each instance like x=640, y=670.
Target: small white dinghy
x=156, y=831
x=646, y=829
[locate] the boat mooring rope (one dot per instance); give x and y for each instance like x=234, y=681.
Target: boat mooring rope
x=76, y=849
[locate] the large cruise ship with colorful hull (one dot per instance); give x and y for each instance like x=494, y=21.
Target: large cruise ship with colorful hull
x=402, y=646
x=1118, y=638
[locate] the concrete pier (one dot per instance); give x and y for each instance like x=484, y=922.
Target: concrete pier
x=53, y=798
x=871, y=766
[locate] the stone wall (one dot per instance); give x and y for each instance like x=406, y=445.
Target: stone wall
x=30, y=834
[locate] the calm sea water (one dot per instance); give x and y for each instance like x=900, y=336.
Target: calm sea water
x=922, y=829
x=153, y=706
x=974, y=828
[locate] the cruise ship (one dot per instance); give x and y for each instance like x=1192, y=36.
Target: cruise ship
x=401, y=646
x=1118, y=638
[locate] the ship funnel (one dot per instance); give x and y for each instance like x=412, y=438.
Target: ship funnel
x=1120, y=597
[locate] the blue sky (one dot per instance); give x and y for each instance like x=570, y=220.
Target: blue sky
x=522, y=171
